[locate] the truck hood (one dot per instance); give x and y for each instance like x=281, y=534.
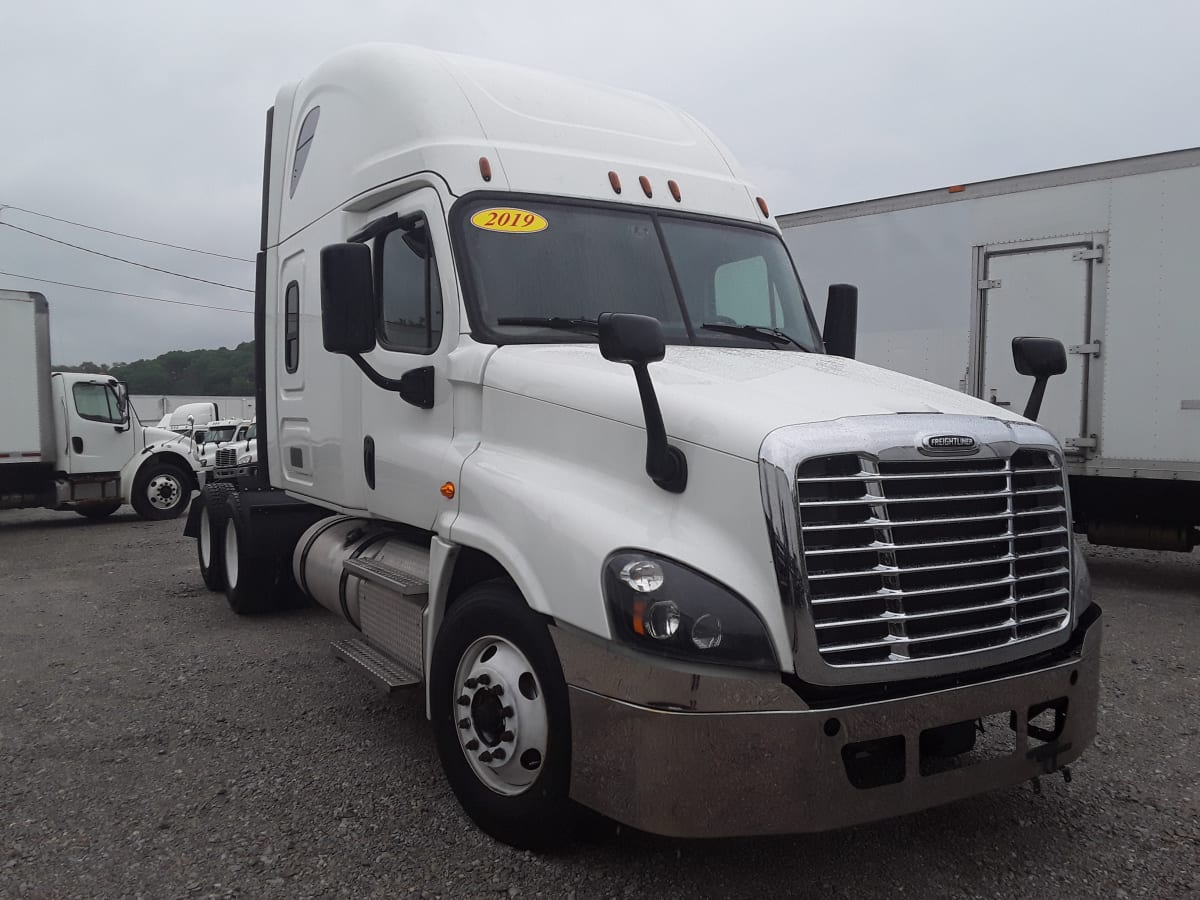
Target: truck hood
x=727, y=399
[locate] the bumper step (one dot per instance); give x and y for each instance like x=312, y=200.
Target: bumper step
x=387, y=673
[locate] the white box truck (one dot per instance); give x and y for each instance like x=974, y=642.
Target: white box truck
x=544, y=414
x=1101, y=257
x=70, y=441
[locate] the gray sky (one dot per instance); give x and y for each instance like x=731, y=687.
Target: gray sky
x=146, y=117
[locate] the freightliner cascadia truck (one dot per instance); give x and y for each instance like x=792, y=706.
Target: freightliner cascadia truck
x=545, y=415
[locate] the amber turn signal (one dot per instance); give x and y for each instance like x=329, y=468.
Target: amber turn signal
x=448, y=490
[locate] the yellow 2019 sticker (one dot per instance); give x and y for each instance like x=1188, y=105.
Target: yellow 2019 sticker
x=513, y=221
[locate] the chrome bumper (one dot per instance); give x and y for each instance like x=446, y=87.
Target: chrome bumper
x=687, y=755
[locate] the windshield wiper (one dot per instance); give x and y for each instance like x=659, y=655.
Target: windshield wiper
x=762, y=332
x=563, y=324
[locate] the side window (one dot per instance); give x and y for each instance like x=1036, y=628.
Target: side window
x=97, y=402
x=742, y=292
x=291, y=327
x=303, y=144
x=410, y=294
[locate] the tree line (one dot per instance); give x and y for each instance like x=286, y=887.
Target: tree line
x=207, y=373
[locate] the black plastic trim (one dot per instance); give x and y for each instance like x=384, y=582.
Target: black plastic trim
x=415, y=386
x=260, y=317
x=456, y=219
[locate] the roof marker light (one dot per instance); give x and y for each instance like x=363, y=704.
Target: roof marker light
x=485, y=168
x=762, y=204
x=956, y=189
x=645, y=183
x=674, y=189
x=615, y=180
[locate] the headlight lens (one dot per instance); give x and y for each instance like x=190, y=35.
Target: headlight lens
x=664, y=607
x=245, y=460
x=1081, y=588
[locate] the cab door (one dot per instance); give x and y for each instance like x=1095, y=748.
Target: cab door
x=96, y=415
x=404, y=456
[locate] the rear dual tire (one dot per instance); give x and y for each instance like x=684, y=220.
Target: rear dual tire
x=256, y=579
x=213, y=503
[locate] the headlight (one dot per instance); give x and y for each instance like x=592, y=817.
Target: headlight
x=1081, y=586
x=663, y=607
x=245, y=460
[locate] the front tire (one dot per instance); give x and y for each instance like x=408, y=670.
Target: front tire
x=161, y=491
x=501, y=718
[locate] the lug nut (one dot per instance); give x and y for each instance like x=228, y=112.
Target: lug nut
x=498, y=690
x=507, y=737
x=464, y=700
x=464, y=723
x=470, y=684
x=507, y=712
x=472, y=744
x=485, y=679
x=499, y=753
x=485, y=757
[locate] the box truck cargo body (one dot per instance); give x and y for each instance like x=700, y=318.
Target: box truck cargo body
x=545, y=416
x=1102, y=257
x=70, y=441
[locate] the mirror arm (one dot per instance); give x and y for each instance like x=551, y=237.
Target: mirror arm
x=666, y=465
x=1034, y=406
x=415, y=386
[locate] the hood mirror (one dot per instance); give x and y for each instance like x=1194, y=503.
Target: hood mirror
x=841, y=321
x=638, y=341
x=1041, y=357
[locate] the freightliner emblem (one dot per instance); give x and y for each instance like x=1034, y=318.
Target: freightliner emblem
x=949, y=443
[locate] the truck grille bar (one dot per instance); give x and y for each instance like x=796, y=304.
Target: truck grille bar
x=227, y=457
x=920, y=559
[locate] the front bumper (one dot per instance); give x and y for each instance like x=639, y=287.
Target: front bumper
x=689, y=755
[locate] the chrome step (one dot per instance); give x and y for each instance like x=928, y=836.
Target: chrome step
x=387, y=672
x=375, y=572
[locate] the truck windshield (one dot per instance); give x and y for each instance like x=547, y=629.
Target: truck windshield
x=546, y=266
x=220, y=435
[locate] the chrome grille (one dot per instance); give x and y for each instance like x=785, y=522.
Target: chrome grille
x=920, y=558
x=227, y=457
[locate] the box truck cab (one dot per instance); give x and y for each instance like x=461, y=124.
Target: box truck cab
x=547, y=418
x=71, y=440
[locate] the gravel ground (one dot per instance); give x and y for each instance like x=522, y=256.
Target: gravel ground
x=154, y=745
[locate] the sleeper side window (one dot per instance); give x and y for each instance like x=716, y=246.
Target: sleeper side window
x=410, y=293
x=304, y=140
x=291, y=327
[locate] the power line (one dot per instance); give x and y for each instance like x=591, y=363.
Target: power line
x=84, y=287
x=232, y=287
x=132, y=237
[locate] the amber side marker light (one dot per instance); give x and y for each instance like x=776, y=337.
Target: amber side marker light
x=639, y=617
x=646, y=189
x=673, y=187
x=485, y=168
x=956, y=189
x=762, y=204
x=448, y=490
x=615, y=180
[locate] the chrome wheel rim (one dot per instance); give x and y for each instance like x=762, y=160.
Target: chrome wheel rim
x=231, y=554
x=500, y=715
x=164, y=491
x=205, y=539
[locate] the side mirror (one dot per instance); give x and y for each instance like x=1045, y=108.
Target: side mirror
x=347, y=299
x=1040, y=357
x=638, y=341
x=841, y=321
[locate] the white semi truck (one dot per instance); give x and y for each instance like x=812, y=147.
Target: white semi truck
x=547, y=418
x=70, y=441
x=1099, y=256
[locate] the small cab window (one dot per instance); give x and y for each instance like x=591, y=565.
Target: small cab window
x=410, y=294
x=291, y=327
x=97, y=402
x=308, y=128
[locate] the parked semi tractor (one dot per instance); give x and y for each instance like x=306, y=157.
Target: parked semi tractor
x=547, y=418
x=70, y=441
x=1099, y=256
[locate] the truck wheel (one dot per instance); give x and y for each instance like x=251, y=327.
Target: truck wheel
x=98, y=510
x=252, y=583
x=161, y=491
x=501, y=718
x=209, y=548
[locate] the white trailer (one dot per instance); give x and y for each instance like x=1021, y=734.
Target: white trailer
x=1102, y=257
x=70, y=441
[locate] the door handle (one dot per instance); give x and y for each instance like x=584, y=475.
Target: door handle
x=996, y=402
x=369, y=461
